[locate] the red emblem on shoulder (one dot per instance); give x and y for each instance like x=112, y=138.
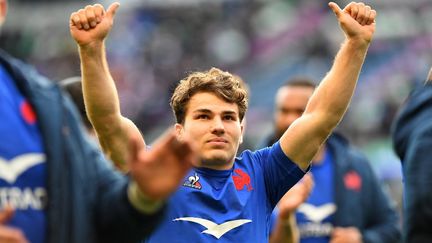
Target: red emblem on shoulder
x=353, y=181
x=27, y=113
x=241, y=180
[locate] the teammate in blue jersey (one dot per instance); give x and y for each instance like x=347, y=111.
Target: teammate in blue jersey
x=223, y=198
x=55, y=185
x=347, y=203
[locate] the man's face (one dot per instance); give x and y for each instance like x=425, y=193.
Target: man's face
x=290, y=104
x=214, y=126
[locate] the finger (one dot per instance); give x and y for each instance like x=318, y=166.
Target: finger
x=167, y=139
x=361, y=12
x=99, y=12
x=366, y=15
x=189, y=157
x=308, y=182
x=337, y=235
x=6, y=214
x=190, y=146
x=165, y=143
x=353, y=10
x=90, y=15
x=12, y=235
x=337, y=232
x=83, y=19
x=112, y=9
x=182, y=148
x=75, y=20
x=372, y=17
x=336, y=9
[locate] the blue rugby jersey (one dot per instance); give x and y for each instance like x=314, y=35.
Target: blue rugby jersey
x=315, y=216
x=231, y=205
x=22, y=162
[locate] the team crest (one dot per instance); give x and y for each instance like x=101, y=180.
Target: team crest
x=353, y=181
x=242, y=180
x=193, y=182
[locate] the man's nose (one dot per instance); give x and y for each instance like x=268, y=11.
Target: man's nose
x=217, y=126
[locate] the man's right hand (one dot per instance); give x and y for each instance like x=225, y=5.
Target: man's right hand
x=297, y=195
x=9, y=234
x=159, y=171
x=357, y=20
x=92, y=23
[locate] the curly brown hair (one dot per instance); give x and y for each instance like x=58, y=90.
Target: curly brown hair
x=224, y=85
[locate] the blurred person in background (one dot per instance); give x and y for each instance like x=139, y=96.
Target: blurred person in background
x=223, y=199
x=73, y=87
x=412, y=141
x=55, y=185
x=347, y=203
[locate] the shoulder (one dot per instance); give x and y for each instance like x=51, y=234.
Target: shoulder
x=21, y=71
x=274, y=151
x=417, y=105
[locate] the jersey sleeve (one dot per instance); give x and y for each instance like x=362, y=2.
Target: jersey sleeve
x=280, y=172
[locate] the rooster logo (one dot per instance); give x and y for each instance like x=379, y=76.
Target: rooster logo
x=241, y=180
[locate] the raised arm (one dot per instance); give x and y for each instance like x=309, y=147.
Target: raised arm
x=331, y=98
x=89, y=27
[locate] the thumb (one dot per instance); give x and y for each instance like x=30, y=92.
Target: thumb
x=6, y=214
x=112, y=9
x=336, y=9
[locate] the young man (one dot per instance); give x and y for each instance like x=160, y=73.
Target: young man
x=347, y=203
x=55, y=185
x=223, y=199
x=412, y=141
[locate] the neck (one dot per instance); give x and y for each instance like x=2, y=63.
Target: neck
x=216, y=165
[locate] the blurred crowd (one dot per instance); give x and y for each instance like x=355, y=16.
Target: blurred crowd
x=156, y=43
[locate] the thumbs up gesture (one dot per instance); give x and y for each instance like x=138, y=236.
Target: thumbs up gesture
x=92, y=23
x=357, y=20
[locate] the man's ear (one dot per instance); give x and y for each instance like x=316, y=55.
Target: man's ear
x=179, y=130
x=242, y=131
x=3, y=11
